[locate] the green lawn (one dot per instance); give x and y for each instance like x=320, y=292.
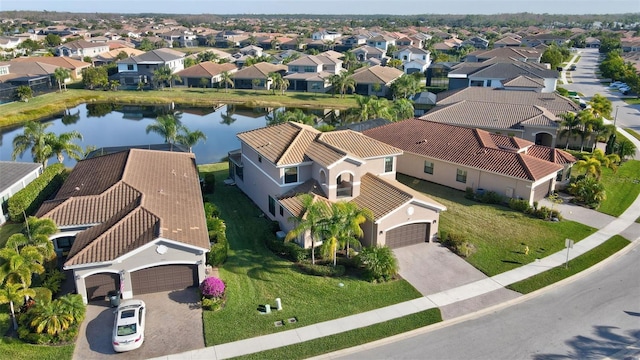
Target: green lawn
x=15, y=349
x=498, y=233
x=631, y=101
x=622, y=188
x=633, y=133
x=54, y=103
x=255, y=276
x=350, y=338
x=580, y=263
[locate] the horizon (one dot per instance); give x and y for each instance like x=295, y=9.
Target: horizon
x=331, y=7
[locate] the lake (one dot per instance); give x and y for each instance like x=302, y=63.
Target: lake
x=106, y=125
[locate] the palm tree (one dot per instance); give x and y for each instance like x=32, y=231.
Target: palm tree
x=342, y=82
x=165, y=74
x=72, y=304
x=51, y=318
x=588, y=122
x=352, y=218
x=62, y=144
x=61, y=75
x=275, y=78
x=312, y=220
x=226, y=79
x=166, y=126
x=349, y=61
x=571, y=126
x=276, y=117
x=381, y=108
x=190, y=138
x=299, y=116
x=33, y=137
x=590, y=165
x=227, y=117
x=403, y=109
x=625, y=148
x=38, y=232
x=12, y=294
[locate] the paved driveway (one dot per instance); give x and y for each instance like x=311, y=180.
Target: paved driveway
x=432, y=268
x=174, y=325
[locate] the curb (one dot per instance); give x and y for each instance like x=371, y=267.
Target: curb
x=492, y=309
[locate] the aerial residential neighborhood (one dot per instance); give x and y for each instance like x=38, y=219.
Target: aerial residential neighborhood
x=291, y=186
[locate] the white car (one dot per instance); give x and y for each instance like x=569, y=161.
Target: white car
x=617, y=84
x=128, y=327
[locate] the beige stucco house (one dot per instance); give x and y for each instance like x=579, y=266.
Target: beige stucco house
x=131, y=221
x=278, y=162
x=461, y=158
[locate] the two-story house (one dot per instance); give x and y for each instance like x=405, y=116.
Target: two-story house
x=139, y=69
x=312, y=72
x=413, y=59
x=514, y=75
x=326, y=35
x=81, y=48
x=276, y=163
x=366, y=52
x=184, y=38
x=381, y=42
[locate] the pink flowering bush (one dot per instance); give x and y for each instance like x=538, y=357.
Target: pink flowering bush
x=212, y=287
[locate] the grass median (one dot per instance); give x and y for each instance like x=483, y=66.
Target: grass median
x=580, y=263
x=622, y=187
x=350, y=338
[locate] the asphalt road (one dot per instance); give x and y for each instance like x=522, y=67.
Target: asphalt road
x=593, y=317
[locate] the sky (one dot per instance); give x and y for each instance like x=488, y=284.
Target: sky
x=330, y=7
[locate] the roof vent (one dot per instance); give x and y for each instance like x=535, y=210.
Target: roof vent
x=77, y=188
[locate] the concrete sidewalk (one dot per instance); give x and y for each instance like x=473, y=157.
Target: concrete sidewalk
x=440, y=299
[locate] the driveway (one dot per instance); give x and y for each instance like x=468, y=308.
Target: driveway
x=174, y=325
x=432, y=268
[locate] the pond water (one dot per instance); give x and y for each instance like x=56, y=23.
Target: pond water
x=106, y=125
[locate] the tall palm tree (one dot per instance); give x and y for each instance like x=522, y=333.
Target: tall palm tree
x=38, y=232
x=381, y=108
x=62, y=144
x=190, y=138
x=165, y=74
x=403, y=109
x=350, y=61
x=312, y=221
x=12, y=294
x=166, y=126
x=61, y=75
x=227, y=80
x=588, y=122
x=35, y=138
x=342, y=82
x=571, y=126
x=352, y=219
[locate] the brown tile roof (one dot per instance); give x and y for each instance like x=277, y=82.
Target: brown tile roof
x=259, y=71
x=555, y=103
x=556, y=156
x=206, y=69
x=524, y=81
x=473, y=148
x=134, y=197
x=292, y=143
x=376, y=75
x=64, y=62
x=382, y=196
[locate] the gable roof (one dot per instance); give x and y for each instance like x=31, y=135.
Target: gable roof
x=503, y=70
x=155, y=56
x=258, y=71
x=12, y=171
x=473, y=148
x=130, y=198
x=376, y=75
x=59, y=61
x=81, y=44
x=293, y=143
x=206, y=69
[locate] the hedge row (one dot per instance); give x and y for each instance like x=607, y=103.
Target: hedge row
x=287, y=250
x=29, y=199
x=217, y=235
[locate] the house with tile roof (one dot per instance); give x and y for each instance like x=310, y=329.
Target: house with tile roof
x=131, y=221
x=498, y=73
x=462, y=157
x=207, y=72
x=279, y=162
x=81, y=48
x=507, y=41
x=413, y=59
x=244, y=78
x=529, y=55
x=311, y=73
x=529, y=115
x=375, y=80
x=15, y=176
x=74, y=66
x=366, y=52
x=140, y=68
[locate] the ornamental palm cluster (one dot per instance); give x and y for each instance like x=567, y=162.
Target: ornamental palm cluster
x=212, y=287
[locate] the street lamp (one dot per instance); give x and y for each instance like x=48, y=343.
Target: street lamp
x=615, y=118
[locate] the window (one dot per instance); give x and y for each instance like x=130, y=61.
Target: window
x=428, y=167
x=294, y=69
x=130, y=67
x=291, y=175
x=281, y=211
x=272, y=206
x=388, y=164
x=259, y=159
x=239, y=172
x=310, y=69
x=559, y=175
x=461, y=176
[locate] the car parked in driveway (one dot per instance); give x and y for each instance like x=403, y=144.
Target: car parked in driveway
x=128, y=327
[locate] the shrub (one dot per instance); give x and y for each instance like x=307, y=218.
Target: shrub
x=321, y=270
x=210, y=210
x=51, y=279
x=217, y=254
x=214, y=304
x=212, y=287
x=519, y=205
x=459, y=244
x=378, y=263
x=209, y=185
x=29, y=199
x=587, y=190
x=468, y=193
x=288, y=250
x=490, y=197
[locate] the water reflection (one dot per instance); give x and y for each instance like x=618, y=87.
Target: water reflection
x=110, y=125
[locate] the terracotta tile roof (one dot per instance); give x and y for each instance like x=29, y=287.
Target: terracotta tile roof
x=206, y=69
x=376, y=75
x=383, y=196
x=292, y=143
x=460, y=145
x=556, y=156
x=134, y=196
x=488, y=115
x=555, y=103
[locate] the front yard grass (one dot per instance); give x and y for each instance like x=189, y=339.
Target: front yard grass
x=622, y=187
x=632, y=101
x=15, y=349
x=255, y=276
x=580, y=263
x=498, y=233
x=350, y=338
